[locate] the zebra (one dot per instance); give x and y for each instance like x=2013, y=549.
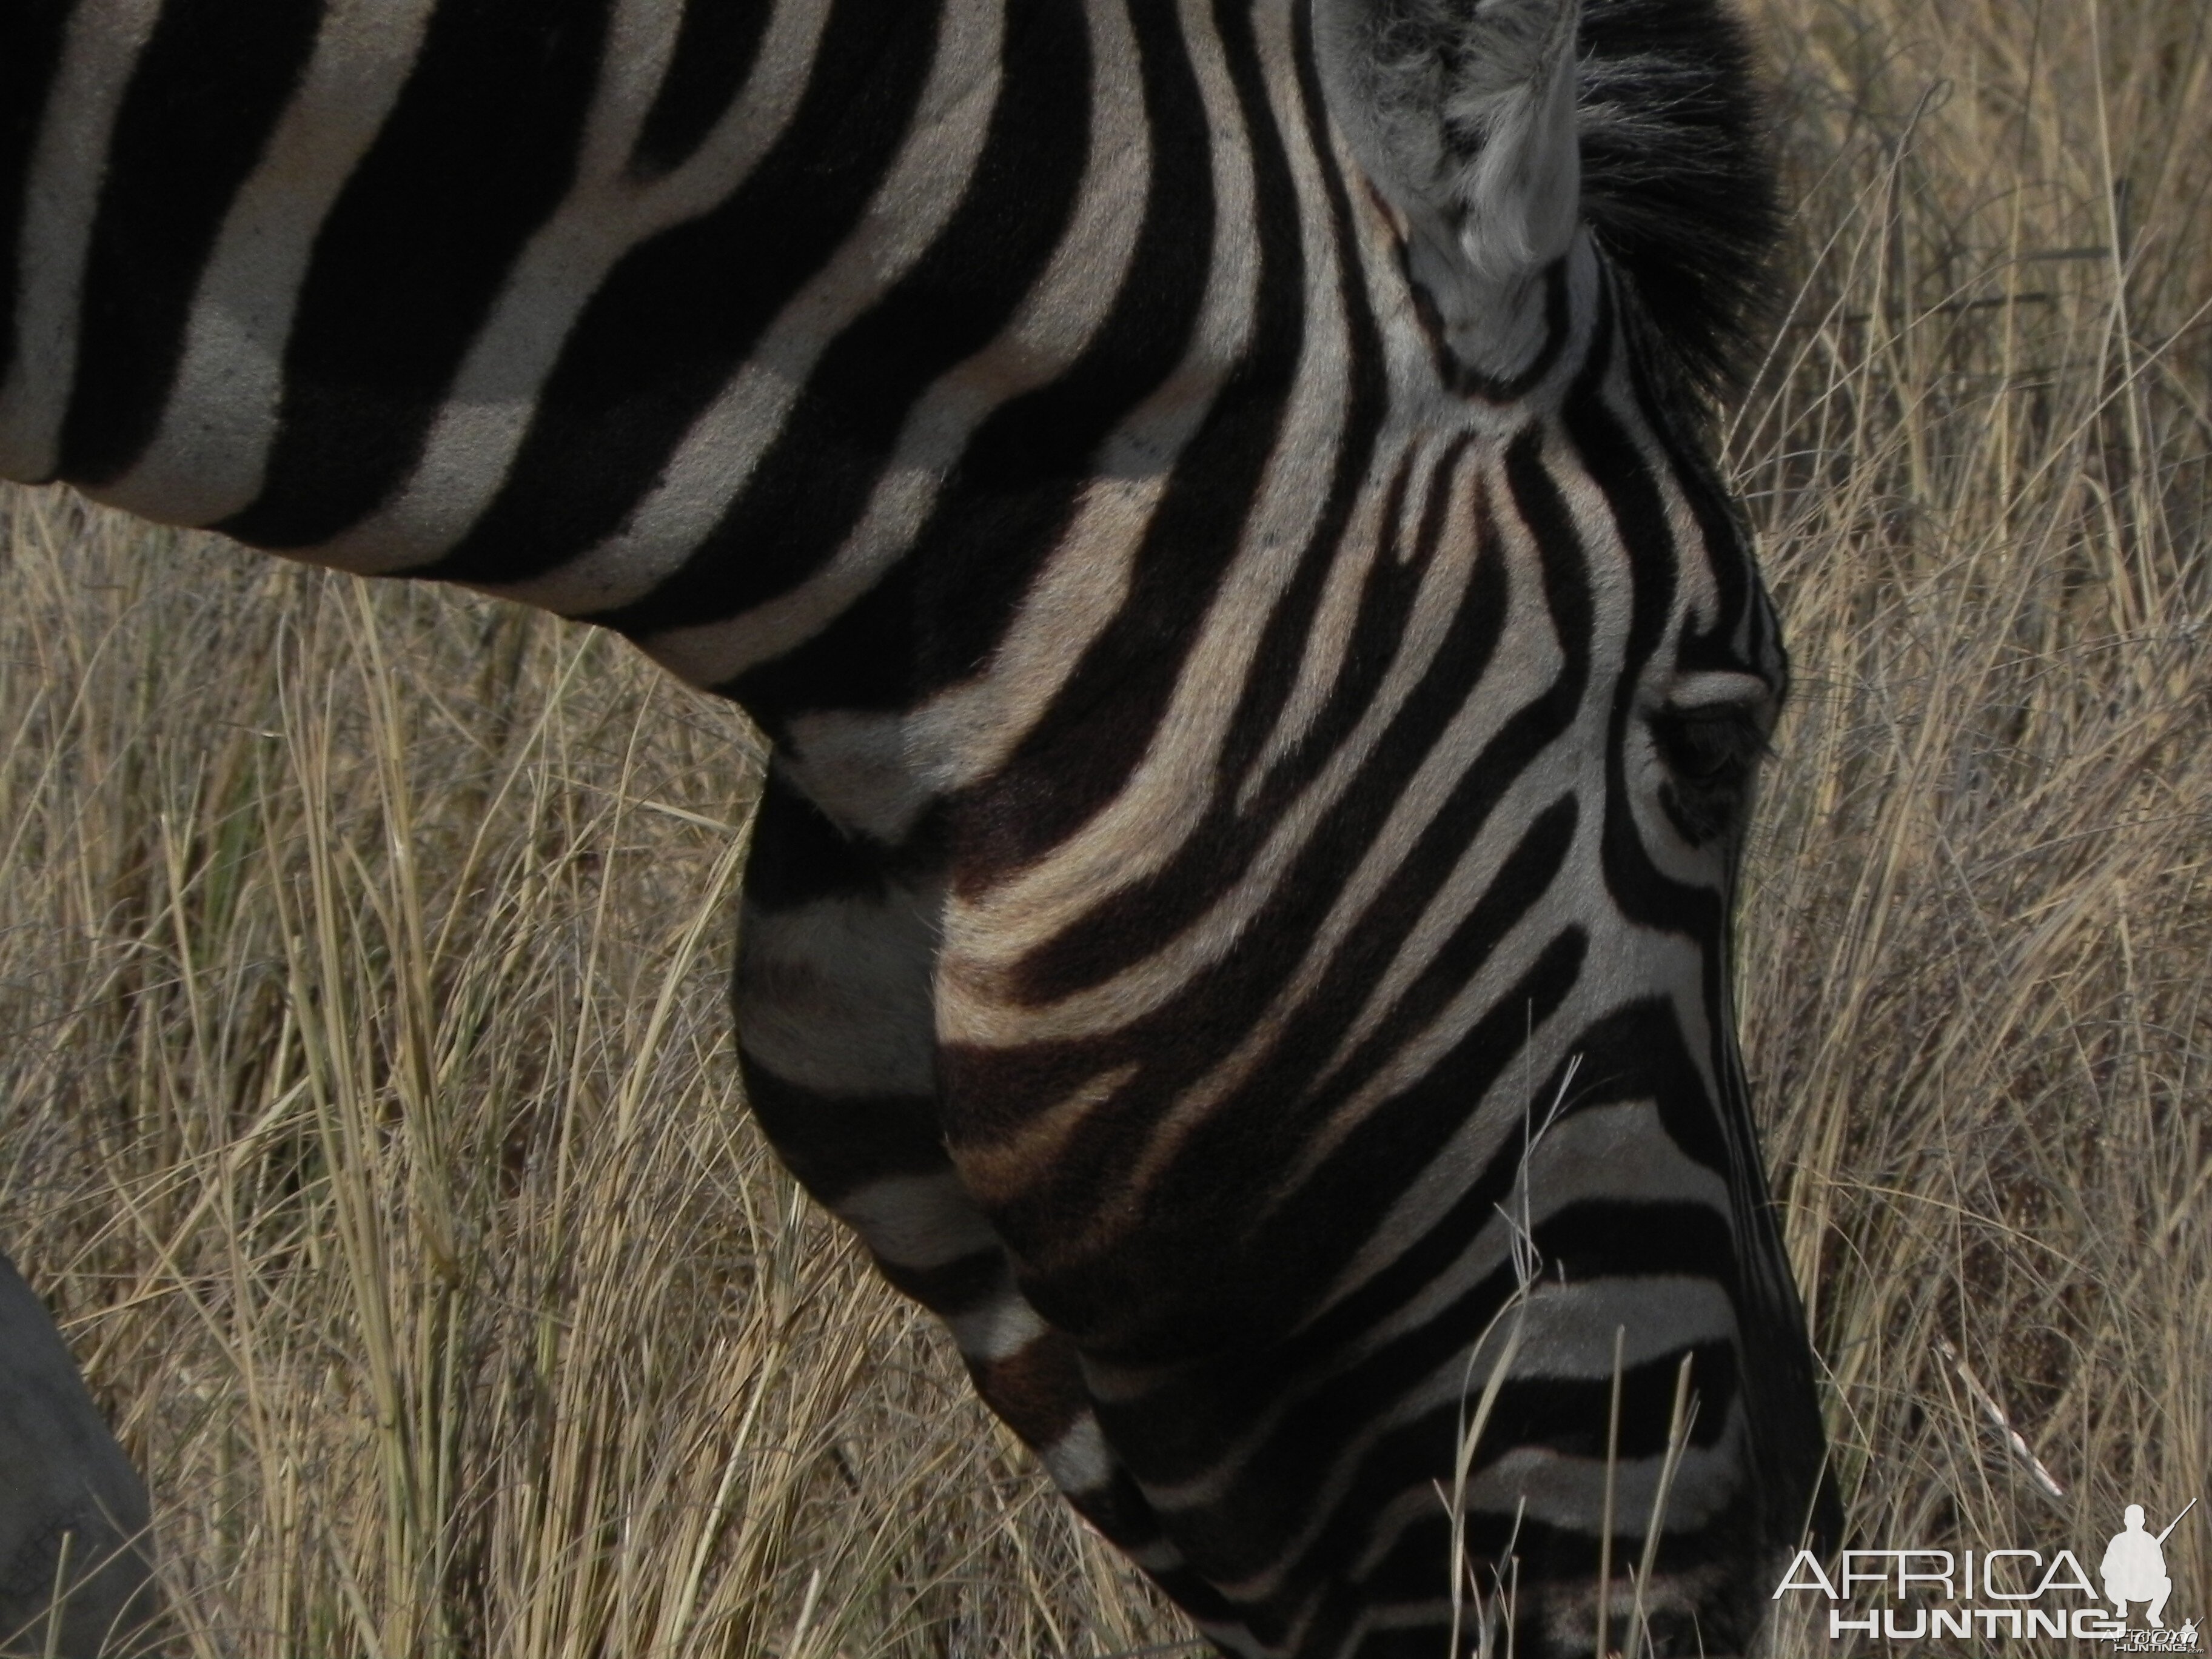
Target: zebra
x=1212, y=504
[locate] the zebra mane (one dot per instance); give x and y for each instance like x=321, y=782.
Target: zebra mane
x=1677, y=180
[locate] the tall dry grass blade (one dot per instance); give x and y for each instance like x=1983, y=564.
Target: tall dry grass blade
x=1605, y=1523
x=1995, y=1413
x=1681, y=1417
x=1461, y=1569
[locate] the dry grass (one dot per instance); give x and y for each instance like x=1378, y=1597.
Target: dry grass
x=370, y=1123
x=1977, y=931
x=364, y=1092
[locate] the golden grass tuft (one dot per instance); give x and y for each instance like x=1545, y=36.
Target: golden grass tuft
x=365, y=1096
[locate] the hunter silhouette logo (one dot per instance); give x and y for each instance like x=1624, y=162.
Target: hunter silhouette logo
x=2135, y=1566
x=1994, y=1596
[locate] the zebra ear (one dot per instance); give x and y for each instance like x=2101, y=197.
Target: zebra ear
x=1462, y=113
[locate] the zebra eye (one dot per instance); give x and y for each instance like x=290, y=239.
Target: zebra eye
x=1710, y=754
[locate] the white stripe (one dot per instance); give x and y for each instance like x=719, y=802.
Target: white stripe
x=1570, y=1491
x=835, y=995
x=917, y=1221
x=208, y=459
x=1055, y=320
x=998, y=1330
x=62, y=195
x=1079, y=1462
x=716, y=458
x=479, y=431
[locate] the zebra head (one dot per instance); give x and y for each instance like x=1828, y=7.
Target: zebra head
x=1361, y=1049
x=1324, y=942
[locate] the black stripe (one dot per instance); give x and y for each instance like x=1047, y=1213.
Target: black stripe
x=1725, y=546
x=30, y=52
x=1281, y=649
x=480, y=147
x=1646, y=893
x=952, y=1288
x=214, y=78
x=810, y=487
x=1470, y=382
x=1218, y=1258
x=1178, y=1431
x=716, y=45
x=678, y=315
x=797, y=856
x=993, y=1091
x=1075, y=759
x=936, y=617
x=1551, y=1574
x=1206, y=1406
x=1138, y=920
x=1280, y=1484
x=837, y=1143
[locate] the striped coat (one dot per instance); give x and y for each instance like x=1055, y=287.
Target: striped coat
x=1209, y=500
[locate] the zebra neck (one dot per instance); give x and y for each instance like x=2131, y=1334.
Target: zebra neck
x=1164, y=590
